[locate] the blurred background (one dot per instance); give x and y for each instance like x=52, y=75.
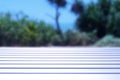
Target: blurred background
x=60, y=23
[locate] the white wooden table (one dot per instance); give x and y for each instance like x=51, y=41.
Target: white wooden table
x=69, y=61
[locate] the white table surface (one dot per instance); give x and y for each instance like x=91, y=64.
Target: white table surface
x=59, y=63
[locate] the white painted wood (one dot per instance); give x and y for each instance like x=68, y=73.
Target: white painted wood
x=59, y=60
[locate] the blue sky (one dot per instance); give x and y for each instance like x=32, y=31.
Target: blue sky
x=38, y=9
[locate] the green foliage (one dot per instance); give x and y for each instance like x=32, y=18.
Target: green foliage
x=77, y=7
x=116, y=5
x=59, y=3
x=104, y=6
x=91, y=16
x=102, y=17
x=27, y=32
x=108, y=41
x=79, y=38
x=23, y=32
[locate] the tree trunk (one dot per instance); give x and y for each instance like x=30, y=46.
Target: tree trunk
x=57, y=22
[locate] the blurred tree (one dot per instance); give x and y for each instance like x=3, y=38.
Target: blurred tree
x=58, y=4
x=116, y=5
x=104, y=6
x=24, y=32
x=101, y=17
x=77, y=7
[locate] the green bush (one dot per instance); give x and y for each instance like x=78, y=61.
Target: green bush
x=24, y=32
x=79, y=38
